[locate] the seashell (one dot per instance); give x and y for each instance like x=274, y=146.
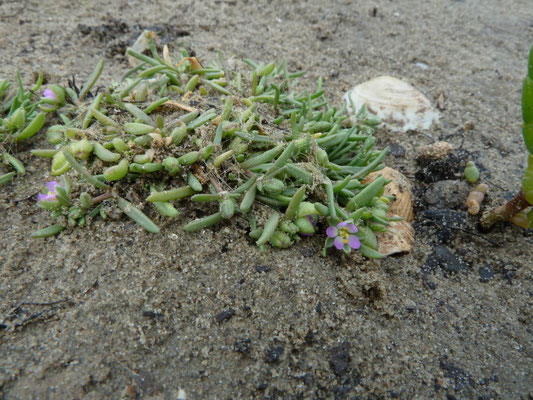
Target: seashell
x=399, y=238
x=399, y=105
x=400, y=188
x=435, y=151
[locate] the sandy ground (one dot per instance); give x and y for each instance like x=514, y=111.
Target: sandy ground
x=112, y=311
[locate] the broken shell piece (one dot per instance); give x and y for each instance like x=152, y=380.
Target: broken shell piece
x=399, y=238
x=400, y=188
x=435, y=151
x=475, y=198
x=399, y=105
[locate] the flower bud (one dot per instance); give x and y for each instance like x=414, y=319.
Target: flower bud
x=60, y=165
x=288, y=227
x=55, y=134
x=81, y=149
x=306, y=208
x=19, y=118
x=305, y=226
x=273, y=186
x=53, y=98
x=322, y=157
x=227, y=208
x=280, y=239
x=172, y=165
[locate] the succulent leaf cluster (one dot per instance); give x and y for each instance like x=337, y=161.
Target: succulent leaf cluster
x=244, y=144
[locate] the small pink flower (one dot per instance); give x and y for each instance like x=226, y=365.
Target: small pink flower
x=344, y=234
x=50, y=194
x=49, y=94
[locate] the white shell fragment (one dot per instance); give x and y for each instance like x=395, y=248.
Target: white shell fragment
x=399, y=105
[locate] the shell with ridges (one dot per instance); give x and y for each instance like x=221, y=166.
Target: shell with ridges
x=400, y=188
x=399, y=105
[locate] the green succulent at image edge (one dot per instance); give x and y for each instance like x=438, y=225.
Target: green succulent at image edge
x=527, y=128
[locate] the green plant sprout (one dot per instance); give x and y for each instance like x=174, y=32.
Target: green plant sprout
x=22, y=115
x=520, y=203
x=236, y=144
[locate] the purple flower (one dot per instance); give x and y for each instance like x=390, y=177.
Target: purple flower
x=50, y=194
x=49, y=94
x=344, y=234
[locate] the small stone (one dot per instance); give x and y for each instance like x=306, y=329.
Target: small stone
x=445, y=223
x=339, y=360
x=435, y=151
x=442, y=257
x=262, y=268
x=242, y=345
x=274, y=354
x=225, y=315
x=308, y=252
x=486, y=273
x=447, y=194
x=397, y=150
x=468, y=126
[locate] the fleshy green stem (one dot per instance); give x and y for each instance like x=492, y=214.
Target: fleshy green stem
x=505, y=212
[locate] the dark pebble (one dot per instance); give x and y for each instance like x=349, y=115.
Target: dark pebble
x=442, y=257
x=446, y=223
x=225, y=315
x=461, y=378
x=243, y=345
x=273, y=354
x=428, y=282
x=486, y=273
x=262, y=268
x=397, y=150
x=152, y=314
x=308, y=252
x=339, y=358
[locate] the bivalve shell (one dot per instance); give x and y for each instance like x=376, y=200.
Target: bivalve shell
x=399, y=105
x=400, y=188
x=399, y=238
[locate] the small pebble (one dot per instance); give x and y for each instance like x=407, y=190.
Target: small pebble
x=486, y=273
x=339, y=360
x=242, y=345
x=397, y=150
x=262, y=268
x=442, y=257
x=445, y=194
x=225, y=315
x=273, y=354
